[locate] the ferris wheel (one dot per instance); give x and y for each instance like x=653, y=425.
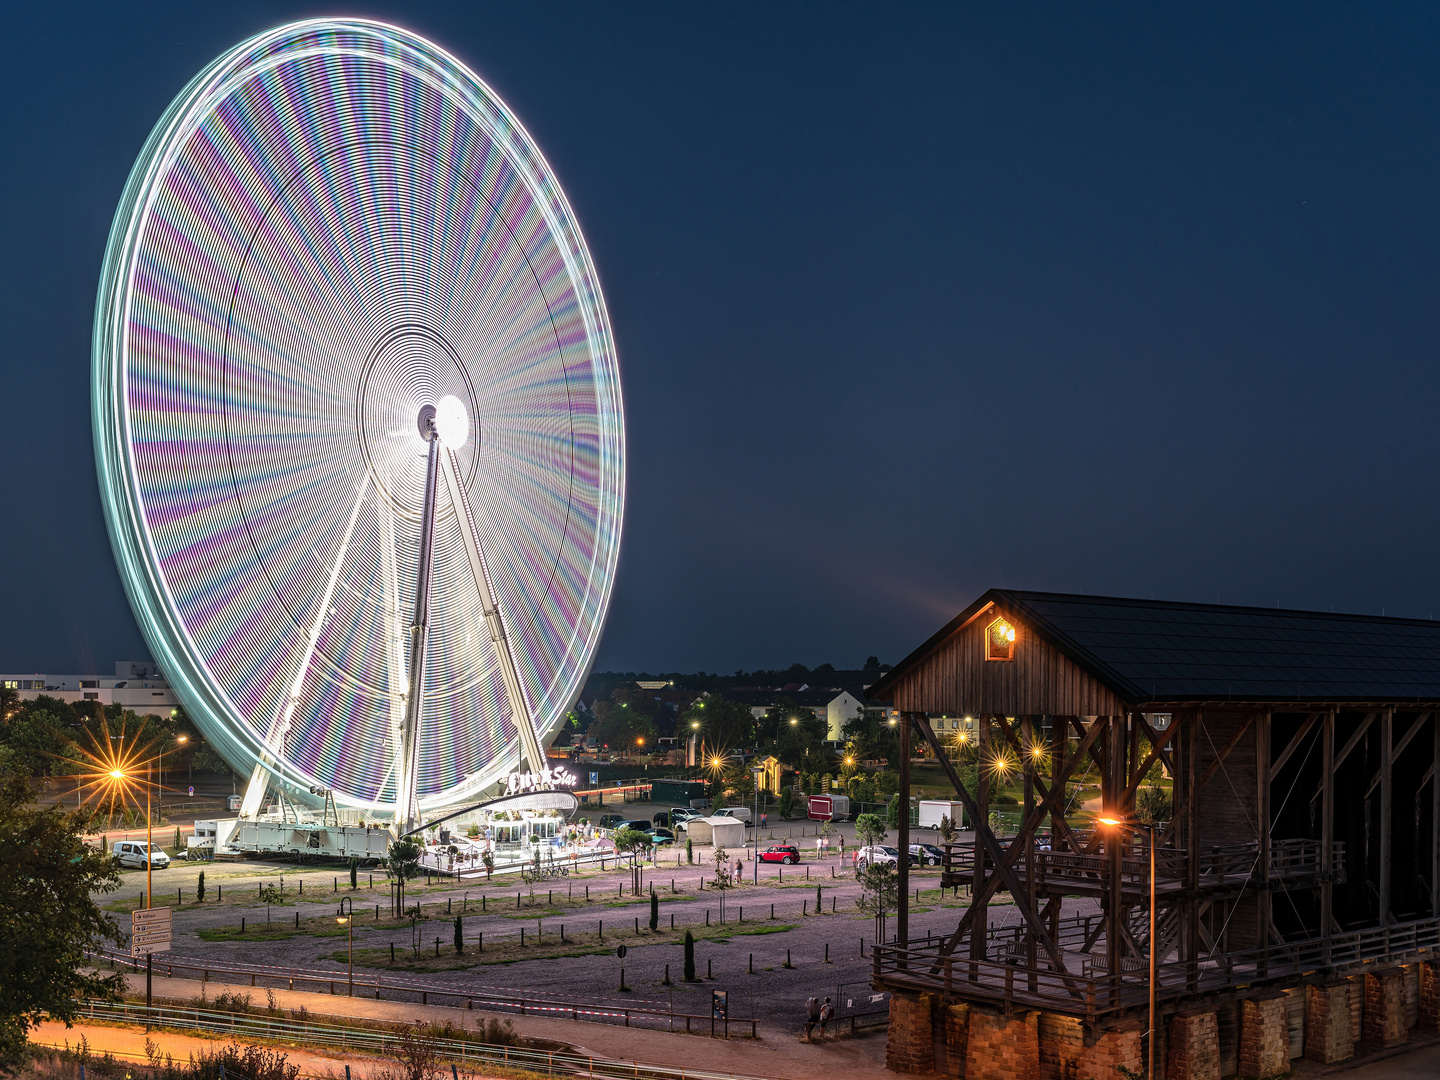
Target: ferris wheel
x=357, y=421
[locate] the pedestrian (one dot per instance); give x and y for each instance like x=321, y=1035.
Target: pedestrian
x=739, y=869
x=827, y=1013
x=812, y=1016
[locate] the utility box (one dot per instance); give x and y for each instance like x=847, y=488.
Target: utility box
x=932, y=810
x=828, y=807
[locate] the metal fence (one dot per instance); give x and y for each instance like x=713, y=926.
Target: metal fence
x=383, y=1041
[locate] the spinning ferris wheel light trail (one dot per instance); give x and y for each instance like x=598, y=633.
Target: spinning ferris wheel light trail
x=358, y=422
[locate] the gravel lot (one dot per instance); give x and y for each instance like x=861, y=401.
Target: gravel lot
x=726, y=952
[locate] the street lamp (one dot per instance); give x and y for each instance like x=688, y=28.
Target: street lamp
x=348, y=921
x=1134, y=826
x=759, y=772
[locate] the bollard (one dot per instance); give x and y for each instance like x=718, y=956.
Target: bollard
x=517, y=900
x=242, y=924
x=752, y=963
x=219, y=893
x=482, y=903
x=707, y=916
x=862, y=948
x=297, y=920
x=787, y=959
x=480, y=942
x=832, y=905
x=562, y=933
x=447, y=905
x=709, y=972
x=392, y=952
x=335, y=885
x=827, y=952
x=637, y=925
x=302, y=886
x=772, y=911
x=804, y=908
x=602, y=929
x=522, y=937
x=587, y=894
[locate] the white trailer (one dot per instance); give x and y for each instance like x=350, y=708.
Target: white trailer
x=240, y=836
x=932, y=810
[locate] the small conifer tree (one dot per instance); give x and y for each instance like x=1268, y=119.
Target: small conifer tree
x=689, y=956
x=654, y=911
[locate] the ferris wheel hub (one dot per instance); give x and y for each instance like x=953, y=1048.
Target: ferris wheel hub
x=426, y=423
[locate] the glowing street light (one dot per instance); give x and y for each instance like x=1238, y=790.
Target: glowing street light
x=348, y=921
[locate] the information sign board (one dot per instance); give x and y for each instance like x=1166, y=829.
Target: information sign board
x=150, y=931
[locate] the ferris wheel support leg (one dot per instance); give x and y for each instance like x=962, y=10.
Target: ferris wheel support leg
x=407, y=809
x=255, y=792
x=519, y=709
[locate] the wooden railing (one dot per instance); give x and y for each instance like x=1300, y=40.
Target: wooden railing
x=1288, y=859
x=1093, y=995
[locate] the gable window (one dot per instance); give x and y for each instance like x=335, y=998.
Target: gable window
x=1000, y=641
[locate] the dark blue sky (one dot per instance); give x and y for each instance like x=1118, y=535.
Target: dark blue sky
x=910, y=301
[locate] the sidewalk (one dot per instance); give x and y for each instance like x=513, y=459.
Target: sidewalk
x=782, y=1057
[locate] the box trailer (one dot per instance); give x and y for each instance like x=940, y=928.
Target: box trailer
x=932, y=810
x=828, y=807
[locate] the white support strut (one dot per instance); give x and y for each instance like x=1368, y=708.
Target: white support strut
x=280, y=724
x=519, y=709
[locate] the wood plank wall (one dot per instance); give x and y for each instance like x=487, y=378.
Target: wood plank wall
x=1040, y=681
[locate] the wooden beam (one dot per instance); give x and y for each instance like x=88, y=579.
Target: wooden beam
x=1327, y=825
x=1192, y=797
x=1003, y=860
x=1050, y=802
x=1350, y=743
x=1294, y=744
x=1434, y=820
x=902, y=829
x=1263, y=776
x=1399, y=748
x=1387, y=796
x=1157, y=747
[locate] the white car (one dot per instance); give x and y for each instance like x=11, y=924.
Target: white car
x=134, y=853
x=876, y=856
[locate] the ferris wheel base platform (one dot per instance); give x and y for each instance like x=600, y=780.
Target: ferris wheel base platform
x=237, y=837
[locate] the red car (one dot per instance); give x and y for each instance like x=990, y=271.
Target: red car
x=784, y=853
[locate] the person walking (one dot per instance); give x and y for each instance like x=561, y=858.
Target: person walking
x=812, y=1016
x=827, y=1013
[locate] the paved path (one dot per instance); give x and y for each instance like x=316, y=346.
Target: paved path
x=782, y=1057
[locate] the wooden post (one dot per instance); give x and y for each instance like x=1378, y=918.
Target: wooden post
x=1028, y=746
x=1113, y=780
x=1327, y=828
x=1262, y=828
x=1435, y=818
x=981, y=921
x=1192, y=839
x=1387, y=793
x=902, y=829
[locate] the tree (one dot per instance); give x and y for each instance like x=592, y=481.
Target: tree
x=630, y=841
x=354, y=869
x=879, y=893
x=722, y=723
x=48, y=915
x=740, y=782
x=404, y=862
x=892, y=811
x=459, y=936
x=200, y=888
x=785, y=805
x=947, y=829
x=689, y=956
x=654, y=910
x=869, y=829
x=798, y=735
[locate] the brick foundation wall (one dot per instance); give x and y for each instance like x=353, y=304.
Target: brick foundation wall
x=1429, y=999
x=1192, y=1047
x=1328, y=1037
x=1264, y=1037
x=955, y=1030
x=1002, y=1048
x=910, y=1044
x=1383, y=1023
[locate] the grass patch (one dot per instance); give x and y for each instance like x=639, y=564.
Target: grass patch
x=550, y=947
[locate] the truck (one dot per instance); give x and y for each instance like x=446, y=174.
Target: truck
x=932, y=810
x=828, y=807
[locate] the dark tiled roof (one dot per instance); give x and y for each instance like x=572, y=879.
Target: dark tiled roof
x=1154, y=650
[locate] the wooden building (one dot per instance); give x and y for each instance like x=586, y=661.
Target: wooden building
x=1297, y=867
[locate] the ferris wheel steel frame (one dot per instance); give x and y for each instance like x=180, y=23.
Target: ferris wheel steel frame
x=310, y=718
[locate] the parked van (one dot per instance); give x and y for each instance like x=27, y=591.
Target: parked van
x=134, y=853
x=739, y=813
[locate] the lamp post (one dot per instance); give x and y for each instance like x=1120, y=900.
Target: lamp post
x=1131, y=825
x=758, y=772
x=348, y=921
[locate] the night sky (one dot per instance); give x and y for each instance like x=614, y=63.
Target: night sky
x=910, y=303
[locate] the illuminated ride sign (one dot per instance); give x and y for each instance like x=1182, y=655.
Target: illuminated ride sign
x=518, y=783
